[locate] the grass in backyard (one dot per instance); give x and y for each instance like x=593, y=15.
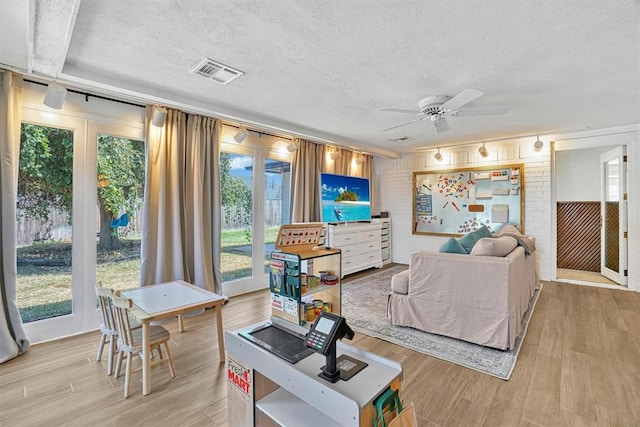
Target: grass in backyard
x=44, y=271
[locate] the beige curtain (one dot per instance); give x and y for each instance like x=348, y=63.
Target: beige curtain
x=306, y=164
x=308, y=161
x=13, y=339
x=181, y=217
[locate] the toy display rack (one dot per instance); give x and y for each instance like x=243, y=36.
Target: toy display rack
x=301, y=236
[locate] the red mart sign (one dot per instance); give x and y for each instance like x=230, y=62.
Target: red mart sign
x=239, y=376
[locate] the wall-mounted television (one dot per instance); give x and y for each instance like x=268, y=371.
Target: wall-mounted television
x=345, y=198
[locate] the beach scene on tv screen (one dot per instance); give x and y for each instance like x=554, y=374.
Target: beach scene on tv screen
x=345, y=198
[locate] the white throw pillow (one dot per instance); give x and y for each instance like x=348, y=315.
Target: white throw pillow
x=494, y=246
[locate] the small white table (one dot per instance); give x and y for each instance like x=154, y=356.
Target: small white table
x=171, y=299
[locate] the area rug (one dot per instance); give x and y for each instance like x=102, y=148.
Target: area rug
x=364, y=305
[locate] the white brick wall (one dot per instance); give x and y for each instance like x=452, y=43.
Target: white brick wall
x=393, y=193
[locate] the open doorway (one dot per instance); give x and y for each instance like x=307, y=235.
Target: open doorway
x=586, y=242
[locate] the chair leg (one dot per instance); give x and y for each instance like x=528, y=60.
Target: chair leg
x=127, y=375
x=172, y=368
x=116, y=374
x=103, y=339
x=159, y=349
x=112, y=349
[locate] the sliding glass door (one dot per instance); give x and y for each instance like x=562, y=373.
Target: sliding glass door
x=255, y=202
x=58, y=216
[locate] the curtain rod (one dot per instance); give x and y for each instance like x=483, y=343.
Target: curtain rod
x=87, y=95
x=259, y=132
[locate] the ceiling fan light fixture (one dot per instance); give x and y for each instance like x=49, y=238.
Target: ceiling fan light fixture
x=483, y=150
x=438, y=156
x=360, y=159
x=537, y=146
x=241, y=135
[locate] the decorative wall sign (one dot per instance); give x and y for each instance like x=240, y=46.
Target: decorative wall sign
x=455, y=202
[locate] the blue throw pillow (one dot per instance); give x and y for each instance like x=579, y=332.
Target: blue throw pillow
x=467, y=241
x=452, y=246
x=482, y=232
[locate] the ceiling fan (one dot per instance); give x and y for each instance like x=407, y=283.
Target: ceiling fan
x=435, y=108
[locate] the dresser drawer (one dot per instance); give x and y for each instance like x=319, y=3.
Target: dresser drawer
x=372, y=246
x=350, y=251
x=340, y=240
x=369, y=236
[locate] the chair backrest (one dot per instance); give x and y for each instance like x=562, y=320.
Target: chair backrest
x=108, y=312
x=125, y=332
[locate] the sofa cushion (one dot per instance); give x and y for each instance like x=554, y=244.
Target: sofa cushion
x=400, y=283
x=527, y=242
x=467, y=241
x=482, y=232
x=452, y=246
x=494, y=246
x=510, y=229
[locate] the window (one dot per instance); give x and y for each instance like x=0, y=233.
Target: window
x=44, y=217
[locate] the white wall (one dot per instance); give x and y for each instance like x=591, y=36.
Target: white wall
x=393, y=192
x=578, y=175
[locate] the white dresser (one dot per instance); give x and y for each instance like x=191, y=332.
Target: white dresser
x=360, y=244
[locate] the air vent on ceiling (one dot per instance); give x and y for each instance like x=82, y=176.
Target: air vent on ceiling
x=216, y=71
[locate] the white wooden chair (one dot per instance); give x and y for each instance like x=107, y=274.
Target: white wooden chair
x=108, y=327
x=130, y=340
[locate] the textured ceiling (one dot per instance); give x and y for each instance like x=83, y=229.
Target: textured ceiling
x=324, y=69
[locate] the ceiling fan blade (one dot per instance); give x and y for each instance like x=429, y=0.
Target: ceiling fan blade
x=440, y=123
x=400, y=110
x=460, y=99
x=483, y=111
x=403, y=124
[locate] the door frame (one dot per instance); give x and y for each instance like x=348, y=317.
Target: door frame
x=628, y=136
x=86, y=115
x=69, y=324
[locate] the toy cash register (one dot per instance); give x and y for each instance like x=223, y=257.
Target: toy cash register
x=322, y=337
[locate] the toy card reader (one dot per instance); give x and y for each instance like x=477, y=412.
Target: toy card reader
x=322, y=337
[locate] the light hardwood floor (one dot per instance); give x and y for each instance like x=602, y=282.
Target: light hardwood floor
x=584, y=276
x=579, y=366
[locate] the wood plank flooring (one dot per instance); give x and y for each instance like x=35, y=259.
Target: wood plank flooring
x=584, y=276
x=579, y=366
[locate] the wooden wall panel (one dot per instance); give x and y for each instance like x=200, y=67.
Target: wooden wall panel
x=579, y=236
x=612, y=244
